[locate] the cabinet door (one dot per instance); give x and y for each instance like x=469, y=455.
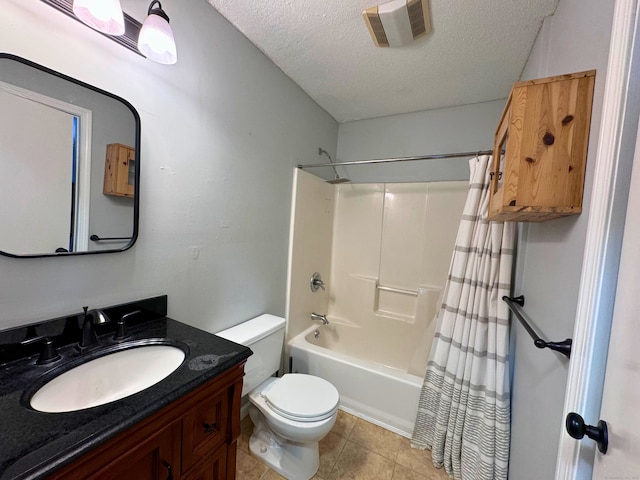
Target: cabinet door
x=157, y=458
x=205, y=427
x=212, y=468
x=544, y=134
x=127, y=179
x=119, y=171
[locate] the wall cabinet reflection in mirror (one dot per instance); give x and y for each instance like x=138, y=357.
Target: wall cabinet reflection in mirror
x=56, y=146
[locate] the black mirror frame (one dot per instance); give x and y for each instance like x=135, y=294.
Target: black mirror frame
x=136, y=197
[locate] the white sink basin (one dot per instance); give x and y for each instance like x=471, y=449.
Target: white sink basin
x=109, y=378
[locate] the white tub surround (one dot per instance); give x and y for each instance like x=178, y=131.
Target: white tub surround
x=389, y=254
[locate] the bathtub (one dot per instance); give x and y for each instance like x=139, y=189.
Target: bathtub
x=373, y=386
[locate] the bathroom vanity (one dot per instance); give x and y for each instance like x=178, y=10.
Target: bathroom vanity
x=189, y=439
x=184, y=427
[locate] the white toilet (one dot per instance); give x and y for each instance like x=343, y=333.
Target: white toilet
x=290, y=414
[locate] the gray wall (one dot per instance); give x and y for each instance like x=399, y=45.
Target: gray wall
x=550, y=254
x=466, y=128
x=221, y=131
x=109, y=215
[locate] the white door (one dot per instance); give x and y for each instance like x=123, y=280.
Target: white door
x=36, y=175
x=621, y=395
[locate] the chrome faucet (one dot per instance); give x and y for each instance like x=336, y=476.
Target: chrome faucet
x=322, y=318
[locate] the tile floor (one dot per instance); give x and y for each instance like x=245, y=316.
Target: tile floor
x=353, y=450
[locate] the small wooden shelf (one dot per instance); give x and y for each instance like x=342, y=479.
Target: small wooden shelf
x=544, y=134
x=119, y=170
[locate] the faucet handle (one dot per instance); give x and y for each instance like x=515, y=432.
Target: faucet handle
x=130, y=314
x=316, y=282
x=121, y=326
x=48, y=354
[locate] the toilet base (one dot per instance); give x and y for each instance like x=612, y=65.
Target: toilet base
x=294, y=461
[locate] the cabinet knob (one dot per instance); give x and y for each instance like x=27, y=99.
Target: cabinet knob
x=209, y=427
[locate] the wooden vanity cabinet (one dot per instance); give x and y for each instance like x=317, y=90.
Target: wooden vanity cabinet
x=213, y=467
x=205, y=427
x=194, y=438
x=540, y=149
x=150, y=459
x=119, y=170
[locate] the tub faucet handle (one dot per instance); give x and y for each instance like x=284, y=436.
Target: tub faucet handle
x=316, y=282
x=322, y=318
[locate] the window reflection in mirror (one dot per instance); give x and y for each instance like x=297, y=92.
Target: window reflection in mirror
x=54, y=137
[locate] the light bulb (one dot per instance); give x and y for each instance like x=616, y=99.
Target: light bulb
x=155, y=40
x=102, y=15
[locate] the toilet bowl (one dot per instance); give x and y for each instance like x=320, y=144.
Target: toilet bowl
x=291, y=414
x=300, y=408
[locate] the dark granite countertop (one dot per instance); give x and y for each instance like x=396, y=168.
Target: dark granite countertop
x=34, y=444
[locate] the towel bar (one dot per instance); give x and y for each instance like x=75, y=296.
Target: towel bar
x=563, y=347
x=96, y=238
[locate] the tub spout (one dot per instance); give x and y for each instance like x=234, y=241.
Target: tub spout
x=322, y=318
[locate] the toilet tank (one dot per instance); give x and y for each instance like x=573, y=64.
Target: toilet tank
x=264, y=335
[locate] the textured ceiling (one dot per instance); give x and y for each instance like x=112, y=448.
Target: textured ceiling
x=476, y=51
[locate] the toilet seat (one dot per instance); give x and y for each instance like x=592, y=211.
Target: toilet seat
x=303, y=398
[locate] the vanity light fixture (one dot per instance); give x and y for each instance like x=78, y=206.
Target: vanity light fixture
x=156, y=40
x=104, y=16
x=128, y=39
x=153, y=39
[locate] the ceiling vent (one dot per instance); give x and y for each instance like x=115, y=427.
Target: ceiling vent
x=398, y=23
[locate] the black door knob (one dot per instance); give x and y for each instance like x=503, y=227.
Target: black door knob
x=577, y=429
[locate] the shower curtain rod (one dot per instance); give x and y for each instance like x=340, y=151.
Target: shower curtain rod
x=400, y=159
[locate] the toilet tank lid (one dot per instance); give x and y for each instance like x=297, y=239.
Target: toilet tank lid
x=253, y=330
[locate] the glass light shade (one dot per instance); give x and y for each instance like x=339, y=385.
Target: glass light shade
x=156, y=40
x=103, y=15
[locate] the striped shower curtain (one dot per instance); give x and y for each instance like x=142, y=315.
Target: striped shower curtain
x=464, y=409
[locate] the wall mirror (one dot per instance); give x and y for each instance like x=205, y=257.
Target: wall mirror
x=70, y=163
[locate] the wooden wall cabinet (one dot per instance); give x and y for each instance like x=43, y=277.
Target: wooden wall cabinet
x=119, y=170
x=544, y=134
x=194, y=438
